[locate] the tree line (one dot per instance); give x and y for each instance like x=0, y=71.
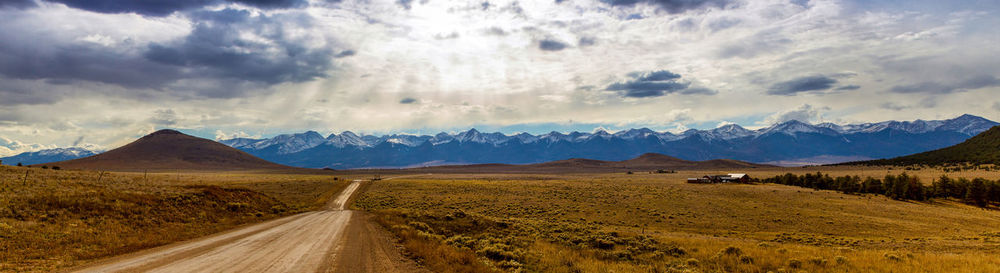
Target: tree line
x=980, y=192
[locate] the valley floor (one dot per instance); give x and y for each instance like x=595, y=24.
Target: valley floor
x=658, y=223
x=469, y=222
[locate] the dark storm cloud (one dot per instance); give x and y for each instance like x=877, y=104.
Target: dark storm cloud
x=661, y=75
x=803, y=84
x=407, y=101
x=641, y=89
x=345, y=53
x=272, y=4
x=698, y=91
x=672, y=6
x=406, y=4
x=946, y=88
x=18, y=4
x=655, y=84
x=19, y=96
x=634, y=16
x=212, y=61
x=215, y=48
x=68, y=63
x=151, y=8
x=166, y=7
x=551, y=45
x=848, y=87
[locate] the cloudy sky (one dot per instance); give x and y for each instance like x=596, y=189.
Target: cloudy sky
x=98, y=73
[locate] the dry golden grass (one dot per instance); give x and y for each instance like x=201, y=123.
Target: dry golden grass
x=657, y=223
x=56, y=219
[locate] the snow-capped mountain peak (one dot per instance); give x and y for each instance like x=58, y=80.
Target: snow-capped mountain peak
x=730, y=131
x=601, y=133
x=72, y=151
x=291, y=143
x=967, y=124
x=48, y=155
x=791, y=127
x=635, y=133
x=346, y=138
x=472, y=135
x=832, y=126
x=526, y=138
x=240, y=142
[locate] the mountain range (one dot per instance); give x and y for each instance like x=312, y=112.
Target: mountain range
x=983, y=148
x=48, y=155
x=787, y=143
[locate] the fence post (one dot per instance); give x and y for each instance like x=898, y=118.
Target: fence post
x=25, y=181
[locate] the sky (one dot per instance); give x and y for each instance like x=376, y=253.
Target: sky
x=100, y=73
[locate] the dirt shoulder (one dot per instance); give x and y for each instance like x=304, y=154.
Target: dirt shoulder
x=367, y=247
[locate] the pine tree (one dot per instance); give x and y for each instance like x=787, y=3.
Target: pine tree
x=872, y=185
x=916, y=190
x=976, y=192
x=993, y=192
x=943, y=187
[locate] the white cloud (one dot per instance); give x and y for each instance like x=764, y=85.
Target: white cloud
x=805, y=113
x=220, y=135
x=10, y=147
x=724, y=123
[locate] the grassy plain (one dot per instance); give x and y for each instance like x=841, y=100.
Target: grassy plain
x=58, y=218
x=658, y=223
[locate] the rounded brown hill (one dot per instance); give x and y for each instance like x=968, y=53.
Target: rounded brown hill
x=659, y=160
x=171, y=150
x=645, y=162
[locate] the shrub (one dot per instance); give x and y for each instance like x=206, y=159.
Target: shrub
x=818, y=261
x=497, y=253
x=731, y=250
x=746, y=259
x=793, y=263
x=237, y=206
x=421, y=226
x=893, y=257
x=840, y=260
x=692, y=262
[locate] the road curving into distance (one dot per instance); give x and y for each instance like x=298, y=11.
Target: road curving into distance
x=305, y=242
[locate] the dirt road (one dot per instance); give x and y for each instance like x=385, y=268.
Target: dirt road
x=305, y=242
